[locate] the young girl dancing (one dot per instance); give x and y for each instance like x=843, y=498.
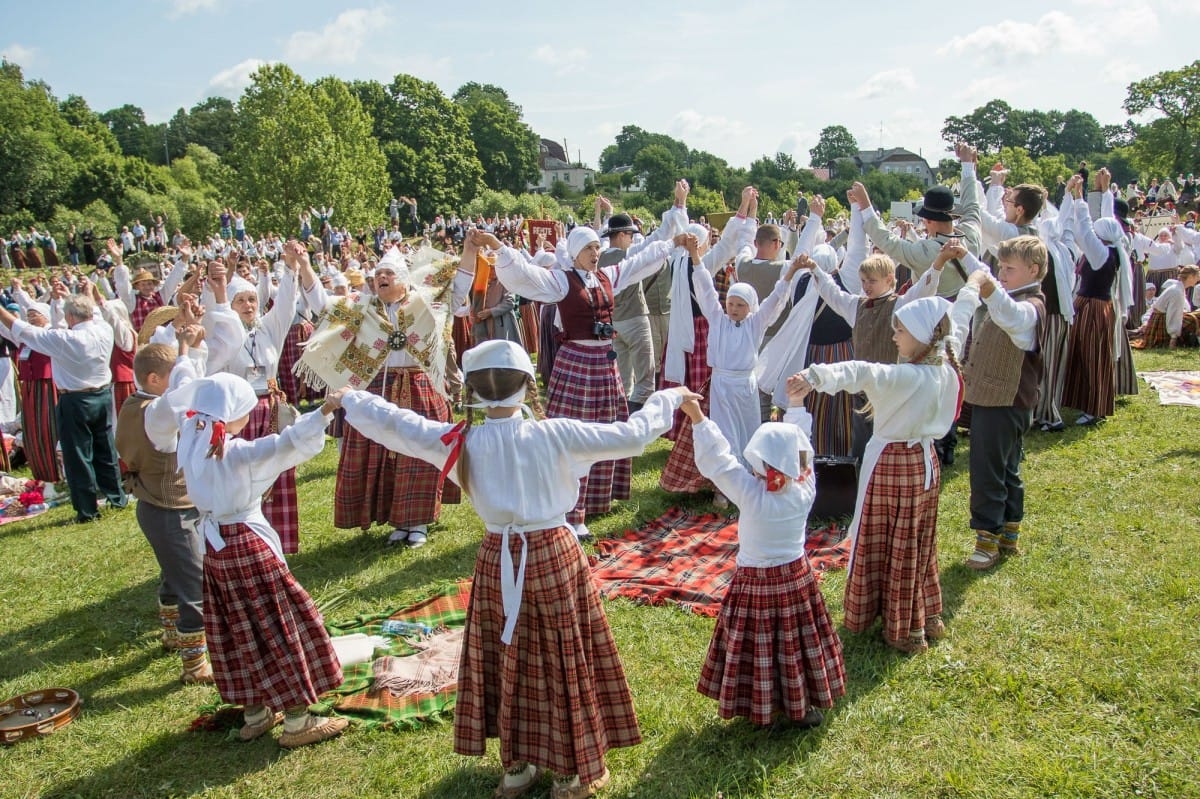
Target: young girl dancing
x=893, y=563
x=774, y=654
x=539, y=666
x=266, y=638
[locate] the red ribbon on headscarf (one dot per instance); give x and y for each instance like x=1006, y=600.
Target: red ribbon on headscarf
x=454, y=439
x=776, y=479
x=218, y=430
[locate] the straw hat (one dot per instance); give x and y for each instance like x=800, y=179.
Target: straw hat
x=160, y=316
x=143, y=274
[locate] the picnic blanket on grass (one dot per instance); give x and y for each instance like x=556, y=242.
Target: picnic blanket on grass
x=1175, y=388
x=357, y=697
x=688, y=560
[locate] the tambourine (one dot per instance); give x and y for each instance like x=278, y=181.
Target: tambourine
x=37, y=713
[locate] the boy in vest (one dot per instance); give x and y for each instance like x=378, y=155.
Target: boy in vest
x=1001, y=375
x=146, y=439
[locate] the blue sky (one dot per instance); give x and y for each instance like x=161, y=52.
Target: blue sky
x=737, y=79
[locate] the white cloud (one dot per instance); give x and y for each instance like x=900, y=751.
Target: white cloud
x=882, y=84
x=233, y=81
x=1010, y=40
x=19, y=55
x=340, y=41
x=563, y=61
x=713, y=133
x=182, y=8
x=985, y=89
x=1121, y=72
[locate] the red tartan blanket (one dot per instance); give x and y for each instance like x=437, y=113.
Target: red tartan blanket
x=689, y=560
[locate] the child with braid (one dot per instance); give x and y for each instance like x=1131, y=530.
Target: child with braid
x=893, y=565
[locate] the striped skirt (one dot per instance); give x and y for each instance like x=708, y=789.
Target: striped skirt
x=377, y=485
x=586, y=385
x=894, y=572
x=1089, y=382
x=557, y=696
x=774, y=649
x=1125, y=382
x=547, y=341
x=1054, y=365
x=1160, y=276
x=291, y=385
x=1138, y=309
x=266, y=638
x=39, y=404
x=529, y=326
x=460, y=333
x=279, y=504
x=831, y=413
x=680, y=474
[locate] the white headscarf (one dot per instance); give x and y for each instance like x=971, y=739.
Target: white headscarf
x=779, y=445
x=825, y=257
x=394, y=262
x=921, y=317
x=1109, y=231
x=746, y=293
x=578, y=240
x=499, y=354
x=213, y=400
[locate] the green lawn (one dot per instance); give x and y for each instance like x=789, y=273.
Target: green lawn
x=1070, y=671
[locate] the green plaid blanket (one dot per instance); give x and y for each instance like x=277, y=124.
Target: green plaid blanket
x=370, y=709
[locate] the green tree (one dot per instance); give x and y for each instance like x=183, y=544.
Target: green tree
x=1021, y=168
x=426, y=140
x=507, y=147
x=632, y=140
x=1080, y=134
x=1174, y=138
x=661, y=170
x=210, y=123
x=296, y=145
x=835, y=141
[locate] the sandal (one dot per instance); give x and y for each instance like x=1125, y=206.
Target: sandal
x=573, y=789
x=315, y=730
x=250, y=732
x=513, y=791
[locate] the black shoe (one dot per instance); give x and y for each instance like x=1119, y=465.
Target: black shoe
x=81, y=519
x=1053, y=428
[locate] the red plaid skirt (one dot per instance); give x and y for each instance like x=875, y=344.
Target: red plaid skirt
x=696, y=373
x=557, y=696
x=377, y=485
x=279, y=503
x=266, y=638
x=585, y=385
x=291, y=385
x=894, y=571
x=774, y=647
x=39, y=425
x=680, y=474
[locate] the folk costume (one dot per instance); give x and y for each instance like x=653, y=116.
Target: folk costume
x=396, y=351
x=774, y=651
x=893, y=568
x=1091, y=354
x=138, y=304
x=585, y=383
x=1170, y=318
x=266, y=638
x=1058, y=288
x=39, y=405
x=539, y=666
x=686, y=359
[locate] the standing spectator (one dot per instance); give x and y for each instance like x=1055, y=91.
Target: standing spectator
x=139, y=235
x=394, y=211
x=89, y=246
x=73, y=245
x=79, y=362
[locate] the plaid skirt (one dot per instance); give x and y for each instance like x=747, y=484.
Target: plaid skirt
x=39, y=425
x=680, y=474
x=1156, y=336
x=831, y=413
x=265, y=636
x=377, y=485
x=557, y=696
x=894, y=572
x=279, y=503
x=774, y=648
x=586, y=385
x=696, y=373
x=1089, y=383
x=291, y=385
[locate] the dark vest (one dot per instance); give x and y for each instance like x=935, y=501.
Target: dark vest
x=152, y=476
x=1097, y=284
x=999, y=374
x=581, y=308
x=873, y=330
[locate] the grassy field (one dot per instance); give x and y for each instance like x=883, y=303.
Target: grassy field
x=1071, y=671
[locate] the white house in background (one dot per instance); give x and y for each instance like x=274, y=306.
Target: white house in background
x=554, y=166
x=897, y=161
x=639, y=182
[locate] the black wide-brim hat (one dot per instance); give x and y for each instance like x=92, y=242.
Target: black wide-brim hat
x=938, y=205
x=619, y=223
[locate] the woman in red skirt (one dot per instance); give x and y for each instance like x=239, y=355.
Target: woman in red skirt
x=893, y=562
x=774, y=655
x=269, y=648
x=39, y=403
x=539, y=667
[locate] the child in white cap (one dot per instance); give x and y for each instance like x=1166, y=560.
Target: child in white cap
x=539, y=666
x=267, y=641
x=774, y=654
x=893, y=566
x=735, y=335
